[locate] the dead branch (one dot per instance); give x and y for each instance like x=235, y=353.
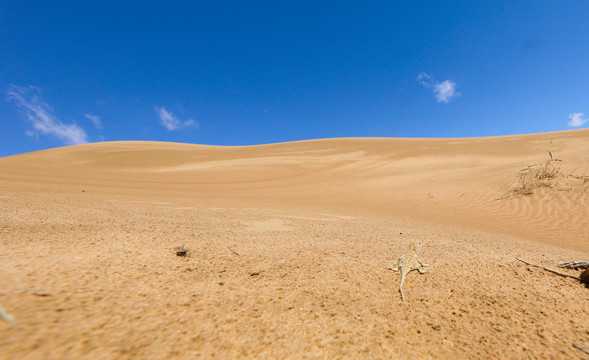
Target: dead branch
x=448, y=297
x=549, y=270
x=6, y=316
x=584, y=277
x=574, y=265
x=38, y=292
x=552, y=158
x=581, y=348
x=233, y=251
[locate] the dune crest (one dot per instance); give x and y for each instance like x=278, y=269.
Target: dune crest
x=450, y=180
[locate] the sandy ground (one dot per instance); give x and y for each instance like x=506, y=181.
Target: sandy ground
x=290, y=245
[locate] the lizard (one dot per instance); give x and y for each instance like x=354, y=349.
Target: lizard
x=409, y=262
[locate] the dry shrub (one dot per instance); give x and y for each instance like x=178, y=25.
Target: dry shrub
x=545, y=174
x=537, y=175
x=583, y=179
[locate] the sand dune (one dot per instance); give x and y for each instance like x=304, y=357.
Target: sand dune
x=88, y=232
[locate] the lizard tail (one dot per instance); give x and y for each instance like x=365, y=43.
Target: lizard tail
x=401, y=287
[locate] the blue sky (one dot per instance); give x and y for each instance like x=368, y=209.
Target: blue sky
x=242, y=73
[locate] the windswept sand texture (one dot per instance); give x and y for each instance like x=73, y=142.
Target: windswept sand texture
x=88, y=268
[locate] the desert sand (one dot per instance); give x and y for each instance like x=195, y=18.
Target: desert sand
x=290, y=245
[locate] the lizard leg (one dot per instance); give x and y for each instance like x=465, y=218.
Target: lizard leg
x=420, y=263
x=397, y=266
x=421, y=267
x=422, y=270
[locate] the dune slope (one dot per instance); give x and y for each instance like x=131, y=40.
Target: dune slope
x=88, y=232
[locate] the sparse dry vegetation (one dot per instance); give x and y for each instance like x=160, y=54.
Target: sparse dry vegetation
x=543, y=174
x=536, y=175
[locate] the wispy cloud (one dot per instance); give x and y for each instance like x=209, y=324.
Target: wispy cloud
x=444, y=91
x=168, y=120
x=95, y=119
x=191, y=123
x=577, y=119
x=425, y=79
x=171, y=122
x=38, y=112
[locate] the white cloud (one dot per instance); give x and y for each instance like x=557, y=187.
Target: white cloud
x=95, y=119
x=38, y=112
x=168, y=120
x=171, y=122
x=444, y=91
x=577, y=119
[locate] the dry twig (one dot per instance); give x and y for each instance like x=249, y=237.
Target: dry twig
x=37, y=292
x=584, y=277
x=581, y=348
x=233, y=251
x=552, y=158
x=448, y=297
x=6, y=316
x=549, y=270
x=574, y=265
